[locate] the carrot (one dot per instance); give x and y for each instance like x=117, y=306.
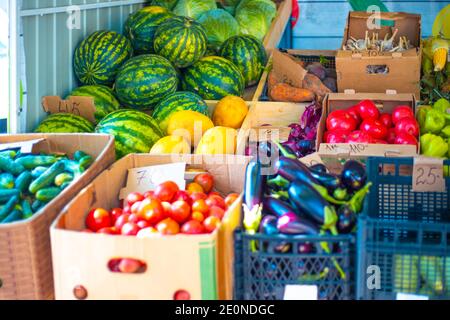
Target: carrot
x=287, y=93
x=313, y=83
x=273, y=79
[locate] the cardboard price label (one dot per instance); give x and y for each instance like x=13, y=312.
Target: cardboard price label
x=24, y=146
x=148, y=178
x=428, y=175
x=79, y=106
x=312, y=159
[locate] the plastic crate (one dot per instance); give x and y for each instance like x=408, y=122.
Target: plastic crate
x=403, y=236
x=264, y=274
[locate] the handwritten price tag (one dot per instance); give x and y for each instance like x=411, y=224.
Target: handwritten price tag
x=428, y=175
x=311, y=159
x=79, y=106
x=148, y=178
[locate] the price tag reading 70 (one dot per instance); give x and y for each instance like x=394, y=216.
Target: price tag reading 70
x=428, y=175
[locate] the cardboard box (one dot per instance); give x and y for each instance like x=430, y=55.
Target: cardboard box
x=386, y=102
x=403, y=67
x=25, y=256
x=201, y=265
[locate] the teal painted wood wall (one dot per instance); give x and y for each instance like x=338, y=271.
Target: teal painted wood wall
x=322, y=22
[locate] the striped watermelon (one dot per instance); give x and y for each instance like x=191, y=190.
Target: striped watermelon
x=248, y=54
x=98, y=58
x=141, y=26
x=178, y=101
x=104, y=99
x=145, y=80
x=65, y=123
x=169, y=4
x=134, y=131
x=181, y=40
x=213, y=78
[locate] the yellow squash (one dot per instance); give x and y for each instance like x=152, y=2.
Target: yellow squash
x=230, y=112
x=189, y=124
x=171, y=145
x=218, y=140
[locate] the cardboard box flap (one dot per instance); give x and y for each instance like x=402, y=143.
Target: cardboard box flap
x=288, y=69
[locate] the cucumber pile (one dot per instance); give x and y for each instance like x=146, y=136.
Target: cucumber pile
x=29, y=182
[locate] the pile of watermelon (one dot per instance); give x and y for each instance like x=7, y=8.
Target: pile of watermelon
x=163, y=63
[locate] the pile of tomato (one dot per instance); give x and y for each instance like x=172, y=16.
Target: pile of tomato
x=363, y=123
x=167, y=210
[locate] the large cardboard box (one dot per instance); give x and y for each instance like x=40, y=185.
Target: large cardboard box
x=25, y=256
x=403, y=67
x=386, y=102
x=201, y=265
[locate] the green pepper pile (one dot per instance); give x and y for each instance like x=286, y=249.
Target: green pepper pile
x=29, y=182
x=434, y=124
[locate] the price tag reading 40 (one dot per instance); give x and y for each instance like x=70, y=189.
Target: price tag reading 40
x=428, y=175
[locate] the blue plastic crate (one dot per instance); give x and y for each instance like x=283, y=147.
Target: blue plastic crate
x=264, y=273
x=403, y=236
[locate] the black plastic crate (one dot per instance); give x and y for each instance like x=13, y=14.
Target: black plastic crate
x=263, y=274
x=403, y=236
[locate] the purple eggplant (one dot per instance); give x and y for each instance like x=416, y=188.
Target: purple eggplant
x=254, y=185
x=291, y=224
x=319, y=168
x=347, y=219
x=305, y=248
x=294, y=170
x=328, y=180
x=277, y=207
x=354, y=176
x=268, y=225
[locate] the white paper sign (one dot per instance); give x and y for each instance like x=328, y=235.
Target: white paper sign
x=311, y=159
x=148, y=178
x=409, y=296
x=428, y=175
x=299, y=292
x=24, y=146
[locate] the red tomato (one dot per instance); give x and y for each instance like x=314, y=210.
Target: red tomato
x=336, y=136
x=200, y=206
x=130, y=229
x=109, y=230
x=134, y=218
x=151, y=211
x=231, y=199
x=406, y=138
x=200, y=217
x=193, y=227
x=401, y=112
x=354, y=112
x=150, y=194
x=211, y=224
x=374, y=128
x=135, y=207
x=129, y=266
x=214, y=193
x=368, y=110
x=182, y=295
x=180, y=211
x=143, y=224
x=167, y=206
x=391, y=136
x=194, y=187
x=379, y=141
x=386, y=120
x=148, y=233
x=127, y=209
x=407, y=125
x=341, y=120
x=216, y=201
x=182, y=196
x=206, y=181
x=98, y=219
x=166, y=191
x=217, y=212
x=120, y=222
x=168, y=227
x=359, y=137
x=134, y=197
x=115, y=214
x=198, y=196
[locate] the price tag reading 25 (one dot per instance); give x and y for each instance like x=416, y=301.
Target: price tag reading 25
x=428, y=175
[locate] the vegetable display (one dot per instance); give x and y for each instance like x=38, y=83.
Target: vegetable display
x=28, y=182
x=220, y=26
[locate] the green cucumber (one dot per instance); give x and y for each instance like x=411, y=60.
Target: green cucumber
x=31, y=162
x=63, y=178
x=23, y=181
x=79, y=155
x=86, y=161
x=65, y=185
x=14, y=216
x=73, y=167
x=6, y=195
x=47, y=177
x=37, y=172
x=8, y=154
x=8, y=207
x=8, y=165
x=36, y=205
x=26, y=209
x=47, y=194
x=6, y=181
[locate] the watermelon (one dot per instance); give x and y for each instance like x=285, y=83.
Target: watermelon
x=213, y=78
x=134, y=131
x=141, y=26
x=248, y=54
x=169, y=4
x=145, y=80
x=98, y=58
x=65, y=123
x=181, y=40
x=104, y=99
x=179, y=101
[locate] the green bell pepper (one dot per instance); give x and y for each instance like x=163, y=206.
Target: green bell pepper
x=442, y=105
x=421, y=116
x=446, y=132
x=434, y=122
x=433, y=146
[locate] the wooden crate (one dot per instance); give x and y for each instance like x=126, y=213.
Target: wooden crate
x=25, y=256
